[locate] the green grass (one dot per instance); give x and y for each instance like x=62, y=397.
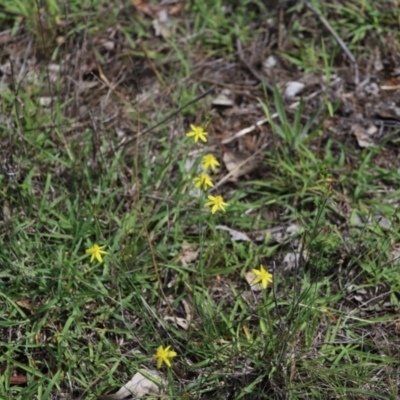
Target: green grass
x=77, y=330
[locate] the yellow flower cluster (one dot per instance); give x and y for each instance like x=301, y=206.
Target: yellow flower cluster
x=204, y=180
x=163, y=354
x=261, y=275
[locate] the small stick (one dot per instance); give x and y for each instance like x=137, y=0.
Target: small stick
x=152, y=66
x=256, y=74
x=251, y=128
x=231, y=173
x=337, y=38
x=168, y=117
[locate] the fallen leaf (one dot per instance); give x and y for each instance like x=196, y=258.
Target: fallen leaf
x=397, y=327
x=189, y=163
x=145, y=7
x=379, y=219
x=46, y=101
x=162, y=24
x=25, y=303
x=388, y=110
x=138, y=386
x=188, y=309
x=391, y=84
x=292, y=89
x=269, y=63
x=236, y=236
x=224, y=99
x=188, y=253
x=364, y=136
x=176, y=8
x=238, y=164
x=152, y=9
x=395, y=253
x=250, y=276
x=182, y=322
x=280, y=234
x=291, y=261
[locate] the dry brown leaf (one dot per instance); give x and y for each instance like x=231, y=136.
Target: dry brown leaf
x=397, y=327
x=291, y=261
x=388, y=110
x=188, y=309
x=224, y=99
x=238, y=164
x=236, y=236
x=293, y=89
x=277, y=234
x=138, y=386
x=25, y=303
x=250, y=276
x=391, y=84
x=188, y=253
x=395, y=253
x=152, y=10
x=162, y=24
x=182, y=322
x=364, y=136
x=176, y=9
x=46, y=101
x=145, y=7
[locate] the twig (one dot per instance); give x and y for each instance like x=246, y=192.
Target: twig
x=251, y=128
x=129, y=142
x=152, y=66
x=337, y=38
x=231, y=173
x=255, y=73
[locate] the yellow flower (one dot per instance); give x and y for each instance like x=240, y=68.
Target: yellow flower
x=263, y=276
x=96, y=252
x=198, y=133
x=203, y=180
x=209, y=161
x=163, y=355
x=216, y=203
